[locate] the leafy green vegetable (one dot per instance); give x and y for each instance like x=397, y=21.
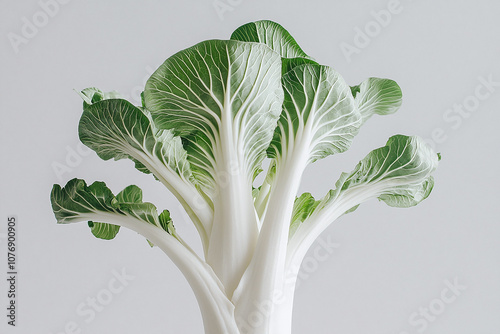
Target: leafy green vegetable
x=210, y=116
x=225, y=108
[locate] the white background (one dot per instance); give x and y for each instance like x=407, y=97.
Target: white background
x=389, y=262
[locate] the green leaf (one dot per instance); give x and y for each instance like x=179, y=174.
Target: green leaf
x=319, y=116
x=115, y=129
x=377, y=96
x=131, y=194
x=142, y=211
x=277, y=38
x=398, y=174
x=303, y=207
x=166, y=222
x=223, y=98
x=129, y=200
x=262, y=193
x=404, y=197
x=77, y=199
x=354, y=208
x=92, y=95
x=103, y=230
x=78, y=202
x=273, y=35
x=289, y=64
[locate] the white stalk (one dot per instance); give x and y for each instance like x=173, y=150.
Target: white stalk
x=263, y=282
x=235, y=228
x=216, y=309
x=234, y=234
x=188, y=196
x=301, y=242
x=312, y=227
x=281, y=321
x=262, y=200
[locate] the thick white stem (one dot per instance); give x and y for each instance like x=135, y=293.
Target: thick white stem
x=281, y=321
x=261, y=288
x=216, y=309
x=188, y=196
x=234, y=233
x=312, y=227
x=235, y=228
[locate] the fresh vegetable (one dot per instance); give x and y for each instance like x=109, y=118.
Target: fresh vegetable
x=211, y=114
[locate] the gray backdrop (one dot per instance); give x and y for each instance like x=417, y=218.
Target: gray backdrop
x=388, y=267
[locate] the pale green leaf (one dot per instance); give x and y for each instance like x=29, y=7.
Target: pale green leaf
x=319, y=116
x=377, y=96
x=103, y=231
x=277, y=38
x=273, y=35
x=222, y=104
x=398, y=174
x=303, y=207
x=115, y=129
